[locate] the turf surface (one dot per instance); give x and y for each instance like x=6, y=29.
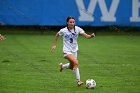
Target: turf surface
x=28, y=66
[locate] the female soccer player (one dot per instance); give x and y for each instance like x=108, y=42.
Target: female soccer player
x=1, y=37
x=70, y=47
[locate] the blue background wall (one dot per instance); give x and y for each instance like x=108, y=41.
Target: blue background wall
x=55, y=12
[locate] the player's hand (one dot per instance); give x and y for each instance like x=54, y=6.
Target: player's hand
x=1, y=37
x=93, y=35
x=53, y=48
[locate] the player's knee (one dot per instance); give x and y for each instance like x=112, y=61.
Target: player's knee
x=75, y=65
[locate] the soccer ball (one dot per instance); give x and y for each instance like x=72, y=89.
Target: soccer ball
x=90, y=84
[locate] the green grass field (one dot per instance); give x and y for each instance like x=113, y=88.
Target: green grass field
x=28, y=66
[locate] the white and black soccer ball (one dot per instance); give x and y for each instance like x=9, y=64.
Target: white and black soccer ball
x=90, y=84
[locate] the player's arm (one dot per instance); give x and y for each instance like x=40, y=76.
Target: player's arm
x=55, y=41
x=88, y=36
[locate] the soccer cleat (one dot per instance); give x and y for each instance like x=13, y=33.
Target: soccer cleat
x=79, y=83
x=60, y=67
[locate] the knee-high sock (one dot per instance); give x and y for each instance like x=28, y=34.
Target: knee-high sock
x=65, y=66
x=77, y=74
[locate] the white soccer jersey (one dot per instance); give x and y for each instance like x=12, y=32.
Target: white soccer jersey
x=70, y=38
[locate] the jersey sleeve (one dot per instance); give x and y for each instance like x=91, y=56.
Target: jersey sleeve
x=61, y=33
x=80, y=30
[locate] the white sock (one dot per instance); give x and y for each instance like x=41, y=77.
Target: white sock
x=77, y=74
x=66, y=66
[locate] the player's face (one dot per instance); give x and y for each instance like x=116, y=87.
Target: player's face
x=71, y=23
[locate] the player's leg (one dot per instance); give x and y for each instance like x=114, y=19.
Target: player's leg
x=63, y=66
x=74, y=65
